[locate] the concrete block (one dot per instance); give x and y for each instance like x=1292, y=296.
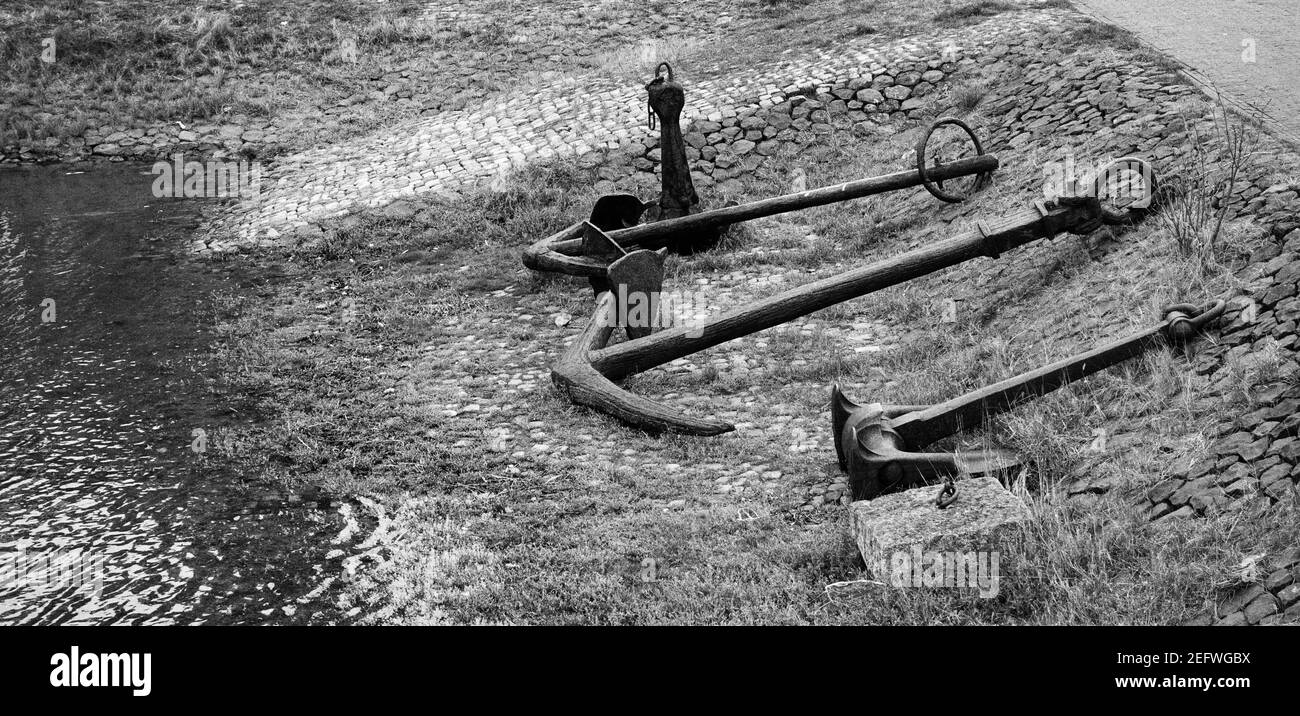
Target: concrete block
x=900, y=521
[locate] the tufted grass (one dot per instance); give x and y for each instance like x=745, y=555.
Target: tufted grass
x=970, y=12
x=139, y=61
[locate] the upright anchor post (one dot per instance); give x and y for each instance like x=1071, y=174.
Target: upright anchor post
x=677, y=196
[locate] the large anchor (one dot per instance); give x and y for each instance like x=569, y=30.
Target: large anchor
x=880, y=446
x=586, y=371
x=676, y=222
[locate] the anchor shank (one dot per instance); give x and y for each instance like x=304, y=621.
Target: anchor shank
x=939, y=421
x=630, y=357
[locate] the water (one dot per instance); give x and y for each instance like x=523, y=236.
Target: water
x=104, y=329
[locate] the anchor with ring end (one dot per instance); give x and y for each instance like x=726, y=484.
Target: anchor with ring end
x=676, y=221
x=881, y=446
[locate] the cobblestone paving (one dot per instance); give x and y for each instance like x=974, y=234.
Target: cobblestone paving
x=1245, y=49
x=456, y=150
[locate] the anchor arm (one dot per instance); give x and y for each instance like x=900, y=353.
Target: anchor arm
x=577, y=379
x=565, y=250
x=877, y=458
x=948, y=418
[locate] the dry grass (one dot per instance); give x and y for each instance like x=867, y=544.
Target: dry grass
x=966, y=97
x=141, y=61
x=639, y=61
x=971, y=12
x=1197, y=199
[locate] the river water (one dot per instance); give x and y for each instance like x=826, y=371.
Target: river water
x=112, y=509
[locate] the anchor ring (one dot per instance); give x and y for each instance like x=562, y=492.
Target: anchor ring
x=1185, y=319
x=1140, y=207
x=650, y=110
x=947, y=495
x=935, y=188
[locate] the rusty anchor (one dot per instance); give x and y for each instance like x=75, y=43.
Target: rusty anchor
x=676, y=221
x=586, y=370
x=880, y=446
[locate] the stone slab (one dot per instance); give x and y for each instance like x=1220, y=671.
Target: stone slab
x=902, y=520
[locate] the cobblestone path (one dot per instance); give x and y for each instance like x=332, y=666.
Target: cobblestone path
x=1246, y=49
x=571, y=115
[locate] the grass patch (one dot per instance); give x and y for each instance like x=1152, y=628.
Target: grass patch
x=1092, y=32
x=965, y=97
x=970, y=13
x=144, y=61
